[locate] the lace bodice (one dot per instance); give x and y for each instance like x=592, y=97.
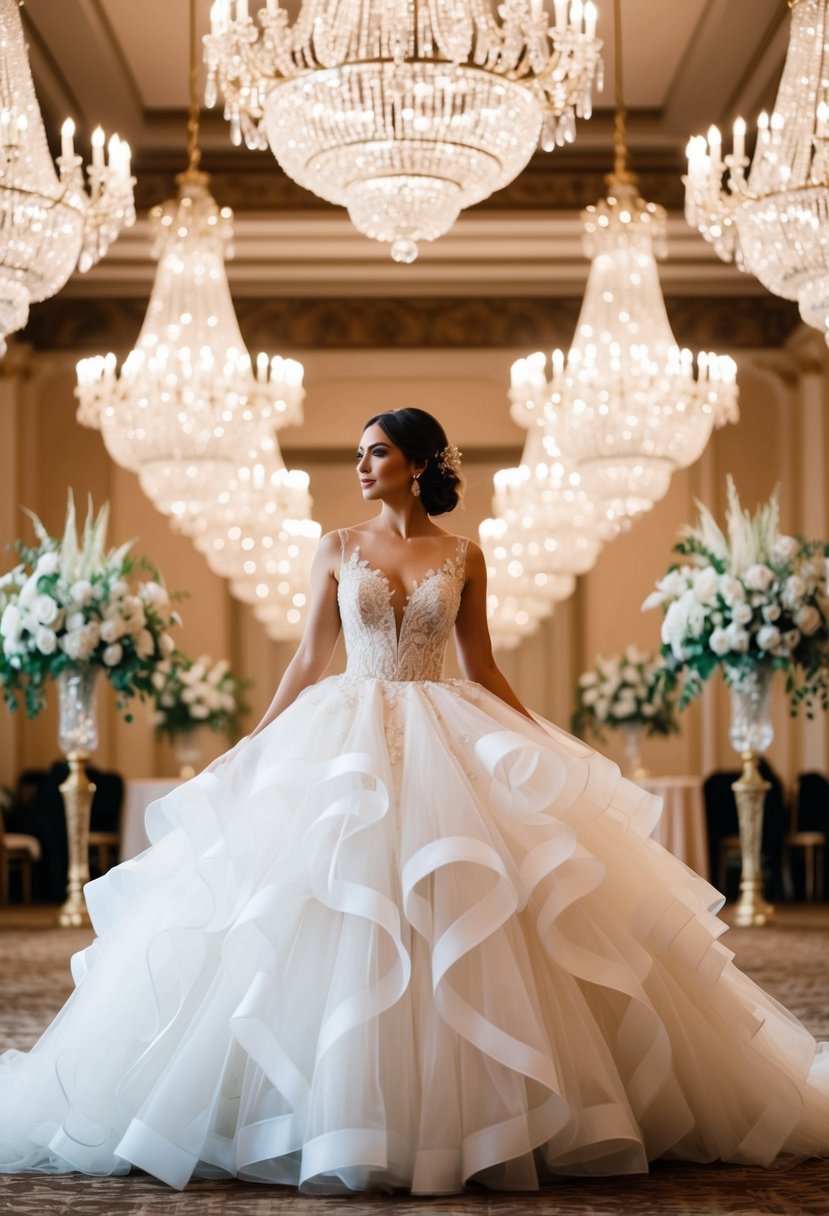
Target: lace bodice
x=372, y=643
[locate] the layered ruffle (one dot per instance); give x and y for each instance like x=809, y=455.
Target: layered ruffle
x=406, y=937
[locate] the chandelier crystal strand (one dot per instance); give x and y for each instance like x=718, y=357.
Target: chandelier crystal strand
x=773, y=221
x=189, y=412
x=403, y=113
x=627, y=407
x=50, y=223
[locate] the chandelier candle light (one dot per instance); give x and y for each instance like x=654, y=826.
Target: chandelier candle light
x=403, y=113
x=772, y=219
x=49, y=222
x=188, y=406
x=626, y=406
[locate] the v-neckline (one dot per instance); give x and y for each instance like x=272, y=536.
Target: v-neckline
x=433, y=571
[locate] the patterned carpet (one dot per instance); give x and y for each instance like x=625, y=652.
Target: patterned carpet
x=790, y=960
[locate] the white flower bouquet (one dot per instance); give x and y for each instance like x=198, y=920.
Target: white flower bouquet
x=69, y=601
x=751, y=597
x=625, y=690
x=189, y=693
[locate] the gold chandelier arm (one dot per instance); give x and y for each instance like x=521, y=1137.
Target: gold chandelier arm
x=193, y=150
x=620, y=150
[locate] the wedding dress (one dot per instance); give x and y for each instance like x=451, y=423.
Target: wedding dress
x=407, y=937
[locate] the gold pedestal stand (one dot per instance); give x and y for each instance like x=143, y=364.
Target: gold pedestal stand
x=77, y=792
x=750, y=792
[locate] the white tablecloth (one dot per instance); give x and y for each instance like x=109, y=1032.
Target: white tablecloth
x=138, y=797
x=681, y=830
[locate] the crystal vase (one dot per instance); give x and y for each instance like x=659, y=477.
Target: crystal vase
x=751, y=734
x=188, y=751
x=632, y=735
x=77, y=737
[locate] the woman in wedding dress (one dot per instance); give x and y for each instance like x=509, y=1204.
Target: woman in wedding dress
x=408, y=933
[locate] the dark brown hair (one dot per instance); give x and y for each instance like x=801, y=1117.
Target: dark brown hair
x=420, y=437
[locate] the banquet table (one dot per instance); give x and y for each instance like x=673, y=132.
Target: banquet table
x=140, y=793
x=681, y=828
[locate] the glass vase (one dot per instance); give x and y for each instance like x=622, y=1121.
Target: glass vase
x=632, y=735
x=77, y=737
x=751, y=727
x=78, y=723
x=751, y=734
x=188, y=752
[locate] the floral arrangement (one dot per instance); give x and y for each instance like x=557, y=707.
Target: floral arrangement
x=188, y=693
x=752, y=596
x=625, y=690
x=70, y=601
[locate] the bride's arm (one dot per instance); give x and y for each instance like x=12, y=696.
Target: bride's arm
x=472, y=634
x=319, y=637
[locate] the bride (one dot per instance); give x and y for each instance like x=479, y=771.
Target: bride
x=408, y=933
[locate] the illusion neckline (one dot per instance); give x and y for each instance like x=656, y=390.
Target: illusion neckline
x=452, y=559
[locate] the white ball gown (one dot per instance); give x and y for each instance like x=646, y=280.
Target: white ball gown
x=406, y=938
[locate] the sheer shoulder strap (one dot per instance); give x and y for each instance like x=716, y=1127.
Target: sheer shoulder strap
x=463, y=545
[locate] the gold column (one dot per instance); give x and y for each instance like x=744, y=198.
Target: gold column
x=77, y=792
x=750, y=791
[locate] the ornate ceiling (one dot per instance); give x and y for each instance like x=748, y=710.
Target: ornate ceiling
x=687, y=64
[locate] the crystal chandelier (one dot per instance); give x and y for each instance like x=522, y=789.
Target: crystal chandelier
x=403, y=113
x=188, y=406
x=49, y=223
x=626, y=406
x=774, y=221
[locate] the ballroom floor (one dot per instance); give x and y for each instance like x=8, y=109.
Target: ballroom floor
x=791, y=960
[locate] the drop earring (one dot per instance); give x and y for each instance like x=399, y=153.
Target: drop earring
x=416, y=487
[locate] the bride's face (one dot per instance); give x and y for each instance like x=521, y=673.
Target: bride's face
x=382, y=468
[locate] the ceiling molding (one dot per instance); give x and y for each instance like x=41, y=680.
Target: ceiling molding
x=295, y=325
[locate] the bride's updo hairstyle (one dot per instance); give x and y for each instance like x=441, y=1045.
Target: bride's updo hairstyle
x=421, y=437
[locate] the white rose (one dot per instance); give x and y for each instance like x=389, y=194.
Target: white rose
x=113, y=654
x=46, y=640
x=768, y=638
x=794, y=590
x=45, y=609
x=784, y=549
x=739, y=639
x=75, y=620
x=675, y=624
x=807, y=619
x=158, y=680
x=10, y=622
x=118, y=589
x=199, y=711
x=12, y=647
x=705, y=585
x=47, y=563
x=731, y=588
x=166, y=644
x=112, y=629
x=588, y=679
x=155, y=594
x=81, y=592
x=590, y=696
x=601, y=707
x=167, y=700
x=741, y=612
x=80, y=643
x=144, y=644
x=189, y=696
x=758, y=577
x=771, y=612
x=720, y=642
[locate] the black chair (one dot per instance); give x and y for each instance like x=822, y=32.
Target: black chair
x=807, y=833
x=724, y=831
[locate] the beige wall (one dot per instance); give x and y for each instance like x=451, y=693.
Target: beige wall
x=781, y=438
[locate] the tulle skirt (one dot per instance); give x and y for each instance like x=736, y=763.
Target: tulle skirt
x=406, y=937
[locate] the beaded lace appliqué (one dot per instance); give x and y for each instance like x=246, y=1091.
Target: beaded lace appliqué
x=370, y=628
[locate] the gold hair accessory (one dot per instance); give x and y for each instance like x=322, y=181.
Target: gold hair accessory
x=449, y=459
